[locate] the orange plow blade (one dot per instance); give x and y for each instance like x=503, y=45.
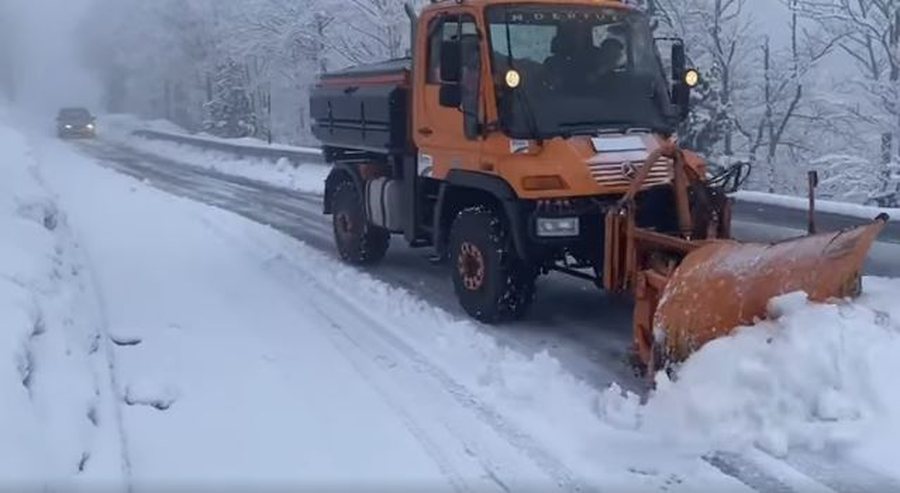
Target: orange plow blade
x=725, y=284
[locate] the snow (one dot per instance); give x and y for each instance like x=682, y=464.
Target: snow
x=57, y=417
x=231, y=380
x=833, y=207
x=310, y=178
x=306, y=178
x=166, y=127
x=225, y=352
x=818, y=378
x=131, y=123
x=242, y=356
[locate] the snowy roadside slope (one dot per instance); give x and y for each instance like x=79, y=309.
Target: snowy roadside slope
x=307, y=178
x=58, y=417
x=247, y=356
x=818, y=379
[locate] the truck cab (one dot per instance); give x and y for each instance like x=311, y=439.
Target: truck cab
x=502, y=142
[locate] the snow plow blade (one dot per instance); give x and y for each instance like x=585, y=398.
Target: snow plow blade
x=725, y=284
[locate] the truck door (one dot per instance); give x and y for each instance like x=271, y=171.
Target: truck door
x=449, y=112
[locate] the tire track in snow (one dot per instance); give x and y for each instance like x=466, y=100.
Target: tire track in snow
x=594, y=355
x=366, y=332
x=194, y=183
x=197, y=187
x=747, y=473
x=118, y=397
x=78, y=258
x=842, y=476
x=219, y=190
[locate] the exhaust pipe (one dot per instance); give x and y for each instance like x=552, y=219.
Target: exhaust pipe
x=413, y=24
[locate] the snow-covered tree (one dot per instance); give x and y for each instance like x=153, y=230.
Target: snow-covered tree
x=719, y=37
x=372, y=30
x=229, y=111
x=783, y=97
x=246, y=68
x=868, y=35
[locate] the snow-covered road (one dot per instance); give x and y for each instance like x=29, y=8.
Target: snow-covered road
x=244, y=356
x=221, y=351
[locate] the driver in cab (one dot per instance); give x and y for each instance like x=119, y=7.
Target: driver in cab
x=577, y=65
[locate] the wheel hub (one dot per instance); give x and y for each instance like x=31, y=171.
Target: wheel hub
x=470, y=262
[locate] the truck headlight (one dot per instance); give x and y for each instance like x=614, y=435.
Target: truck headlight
x=68, y=127
x=90, y=126
x=558, y=227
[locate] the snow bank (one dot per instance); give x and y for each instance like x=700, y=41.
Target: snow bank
x=818, y=377
x=132, y=123
x=52, y=371
x=129, y=123
x=842, y=208
x=25, y=264
x=306, y=178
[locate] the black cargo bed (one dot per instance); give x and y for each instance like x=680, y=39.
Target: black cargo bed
x=364, y=108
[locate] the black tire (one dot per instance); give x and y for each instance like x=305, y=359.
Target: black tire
x=357, y=241
x=492, y=284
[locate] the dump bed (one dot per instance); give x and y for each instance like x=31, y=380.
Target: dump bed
x=366, y=108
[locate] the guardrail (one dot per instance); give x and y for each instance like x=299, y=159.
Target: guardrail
x=837, y=215
x=297, y=156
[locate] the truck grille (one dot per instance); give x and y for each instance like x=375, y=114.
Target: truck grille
x=621, y=174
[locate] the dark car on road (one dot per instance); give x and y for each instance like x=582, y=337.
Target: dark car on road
x=75, y=123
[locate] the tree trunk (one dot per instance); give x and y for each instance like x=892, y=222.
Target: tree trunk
x=321, y=24
x=895, y=77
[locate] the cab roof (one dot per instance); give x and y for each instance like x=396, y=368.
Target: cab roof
x=481, y=4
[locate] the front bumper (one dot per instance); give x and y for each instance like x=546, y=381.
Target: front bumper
x=82, y=132
x=586, y=241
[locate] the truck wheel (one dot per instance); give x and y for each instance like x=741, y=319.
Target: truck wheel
x=492, y=284
x=358, y=242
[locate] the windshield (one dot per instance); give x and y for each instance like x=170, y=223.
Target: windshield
x=583, y=69
x=78, y=115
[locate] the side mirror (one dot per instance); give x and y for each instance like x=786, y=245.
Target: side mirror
x=679, y=61
x=451, y=61
x=451, y=95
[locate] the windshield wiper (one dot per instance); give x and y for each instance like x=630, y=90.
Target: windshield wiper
x=601, y=127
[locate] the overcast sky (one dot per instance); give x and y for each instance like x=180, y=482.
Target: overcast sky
x=50, y=74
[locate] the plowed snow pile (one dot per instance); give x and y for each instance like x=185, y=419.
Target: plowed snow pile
x=818, y=377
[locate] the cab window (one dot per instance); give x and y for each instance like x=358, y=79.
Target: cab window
x=451, y=28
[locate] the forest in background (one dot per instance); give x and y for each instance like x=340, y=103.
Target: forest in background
x=824, y=93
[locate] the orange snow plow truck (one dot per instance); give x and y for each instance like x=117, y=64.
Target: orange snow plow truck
x=524, y=137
